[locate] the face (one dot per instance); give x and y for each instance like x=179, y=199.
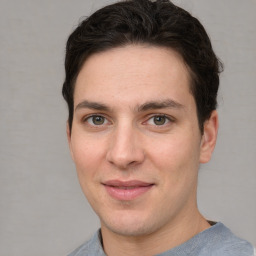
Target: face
x=135, y=139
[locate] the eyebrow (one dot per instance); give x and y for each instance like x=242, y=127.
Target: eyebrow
x=150, y=105
x=169, y=103
x=92, y=105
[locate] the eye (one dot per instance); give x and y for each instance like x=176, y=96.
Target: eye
x=96, y=120
x=158, y=120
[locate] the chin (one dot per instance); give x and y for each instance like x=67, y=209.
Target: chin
x=135, y=231
x=129, y=226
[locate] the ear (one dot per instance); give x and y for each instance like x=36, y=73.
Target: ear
x=68, y=131
x=209, y=137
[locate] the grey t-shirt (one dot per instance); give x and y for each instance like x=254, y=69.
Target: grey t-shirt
x=217, y=240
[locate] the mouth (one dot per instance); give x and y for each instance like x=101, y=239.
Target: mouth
x=127, y=190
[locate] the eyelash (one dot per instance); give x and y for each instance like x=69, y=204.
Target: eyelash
x=167, y=120
x=85, y=120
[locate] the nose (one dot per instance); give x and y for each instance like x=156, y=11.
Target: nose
x=125, y=149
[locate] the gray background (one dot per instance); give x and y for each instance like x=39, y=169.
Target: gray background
x=42, y=209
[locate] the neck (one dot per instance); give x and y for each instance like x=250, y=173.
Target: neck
x=166, y=238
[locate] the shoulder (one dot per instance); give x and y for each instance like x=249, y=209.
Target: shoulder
x=239, y=248
x=225, y=243
x=82, y=250
x=90, y=248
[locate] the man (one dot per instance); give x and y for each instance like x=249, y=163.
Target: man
x=141, y=86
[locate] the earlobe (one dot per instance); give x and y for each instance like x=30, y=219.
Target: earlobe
x=68, y=131
x=209, y=137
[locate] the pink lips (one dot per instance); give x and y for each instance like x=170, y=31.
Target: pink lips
x=126, y=190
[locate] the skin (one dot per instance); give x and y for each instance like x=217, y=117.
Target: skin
x=146, y=129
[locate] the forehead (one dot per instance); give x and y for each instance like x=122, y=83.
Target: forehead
x=133, y=73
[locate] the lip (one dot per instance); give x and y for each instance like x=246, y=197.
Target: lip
x=127, y=190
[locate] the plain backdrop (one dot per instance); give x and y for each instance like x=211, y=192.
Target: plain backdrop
x=42, y=209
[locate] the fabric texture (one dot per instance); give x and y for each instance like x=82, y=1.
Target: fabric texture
x=218, y=240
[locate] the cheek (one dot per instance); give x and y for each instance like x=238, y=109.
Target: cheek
x=87, y=160
x=177, y=165
x=86, y=156
x=175, y=150
x=176, y=158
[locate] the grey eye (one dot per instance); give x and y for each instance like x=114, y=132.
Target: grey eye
x=98, y=120
x=159, y=120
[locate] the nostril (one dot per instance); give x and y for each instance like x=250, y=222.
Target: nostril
x=123, y=161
